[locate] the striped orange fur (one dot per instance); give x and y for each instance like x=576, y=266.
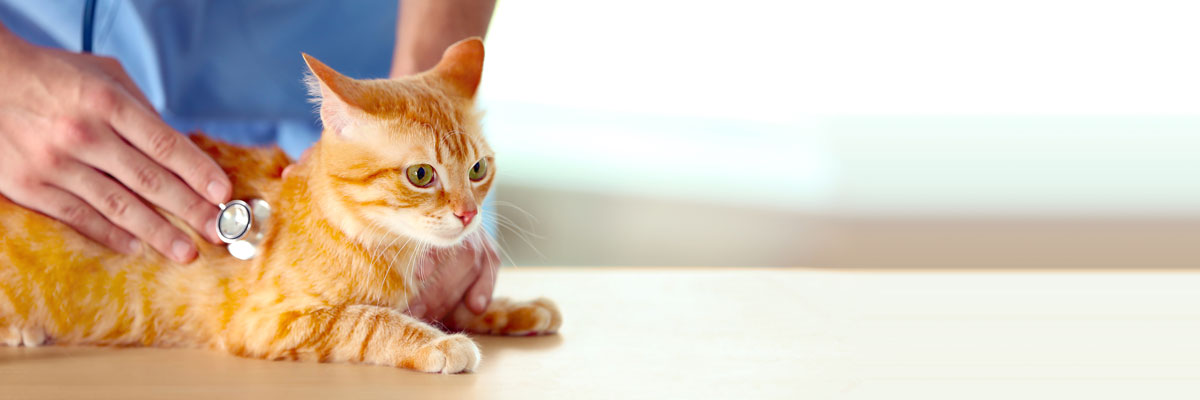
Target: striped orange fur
x=336, y=269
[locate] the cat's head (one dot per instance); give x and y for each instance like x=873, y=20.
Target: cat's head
x=405, y=155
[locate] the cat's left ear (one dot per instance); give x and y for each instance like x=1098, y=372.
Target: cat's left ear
x=461, y=66
x=336, y=95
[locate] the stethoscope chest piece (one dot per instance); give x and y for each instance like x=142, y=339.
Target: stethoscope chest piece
x=241, y=225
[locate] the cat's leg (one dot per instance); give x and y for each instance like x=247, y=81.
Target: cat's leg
x=356, y=333
x=507, y=317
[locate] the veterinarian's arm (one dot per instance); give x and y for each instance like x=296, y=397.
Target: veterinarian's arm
x=80, y=143
x=425, y=28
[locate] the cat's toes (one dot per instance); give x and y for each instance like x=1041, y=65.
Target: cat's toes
x=547, y=317
x=538, y=317
x=33, y=337
x=11, y=336
x=449, y=354
x=28, y=337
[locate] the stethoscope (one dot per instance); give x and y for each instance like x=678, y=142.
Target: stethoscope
x=239, y=223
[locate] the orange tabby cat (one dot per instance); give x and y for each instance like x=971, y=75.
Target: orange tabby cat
x=401, y=167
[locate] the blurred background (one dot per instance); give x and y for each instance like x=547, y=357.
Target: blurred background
x=863, y=134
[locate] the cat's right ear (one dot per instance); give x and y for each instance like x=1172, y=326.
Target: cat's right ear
x=462, y=66
x=334, y=93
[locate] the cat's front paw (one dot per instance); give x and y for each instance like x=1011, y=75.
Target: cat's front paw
x=448, y=354
x=507, y=317
x=28, y=337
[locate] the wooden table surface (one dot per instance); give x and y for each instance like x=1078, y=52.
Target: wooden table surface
x=736, y=333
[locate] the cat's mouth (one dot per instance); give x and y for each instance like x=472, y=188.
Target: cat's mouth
x=455, y=236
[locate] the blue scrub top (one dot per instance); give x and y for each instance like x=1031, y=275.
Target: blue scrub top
x=230, y=68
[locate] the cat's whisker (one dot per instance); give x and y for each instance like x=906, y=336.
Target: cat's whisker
x=368, y=237
x=480, y=238
x=520, y=233
x=406, y=274
x=516, y=208
x=497, y=242
x=496, y=245
x=529, y=219
x=373, y=230
x=411, y=273
x=504, y=221
x=387, y=247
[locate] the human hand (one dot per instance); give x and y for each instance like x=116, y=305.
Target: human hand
x=464, y=274
x=81, y=144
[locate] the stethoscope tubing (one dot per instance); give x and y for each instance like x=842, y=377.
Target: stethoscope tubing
x=89, y=18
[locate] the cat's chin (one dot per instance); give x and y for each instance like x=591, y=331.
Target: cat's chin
x=448, y=240
x=439, y=239
x=438, y=242
x=443, y=243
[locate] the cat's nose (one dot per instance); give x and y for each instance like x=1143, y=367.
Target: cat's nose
x=466, y=216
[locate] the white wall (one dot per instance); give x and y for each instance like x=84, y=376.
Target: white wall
x=854, y=109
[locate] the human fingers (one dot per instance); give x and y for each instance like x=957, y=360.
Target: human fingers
x=422, y=271
x=455, y=271
x=100, y=147
x=123, y=208
x=162, y=144
x=480, y=293
x=74, y=212
x=425, y=265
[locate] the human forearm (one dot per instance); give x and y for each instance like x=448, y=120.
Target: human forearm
x=425, y=28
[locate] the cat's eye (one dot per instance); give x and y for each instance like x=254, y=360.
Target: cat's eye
x=479, y=170
x=420, y=175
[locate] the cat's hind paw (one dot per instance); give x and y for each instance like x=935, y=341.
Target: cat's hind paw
x=512, y=318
